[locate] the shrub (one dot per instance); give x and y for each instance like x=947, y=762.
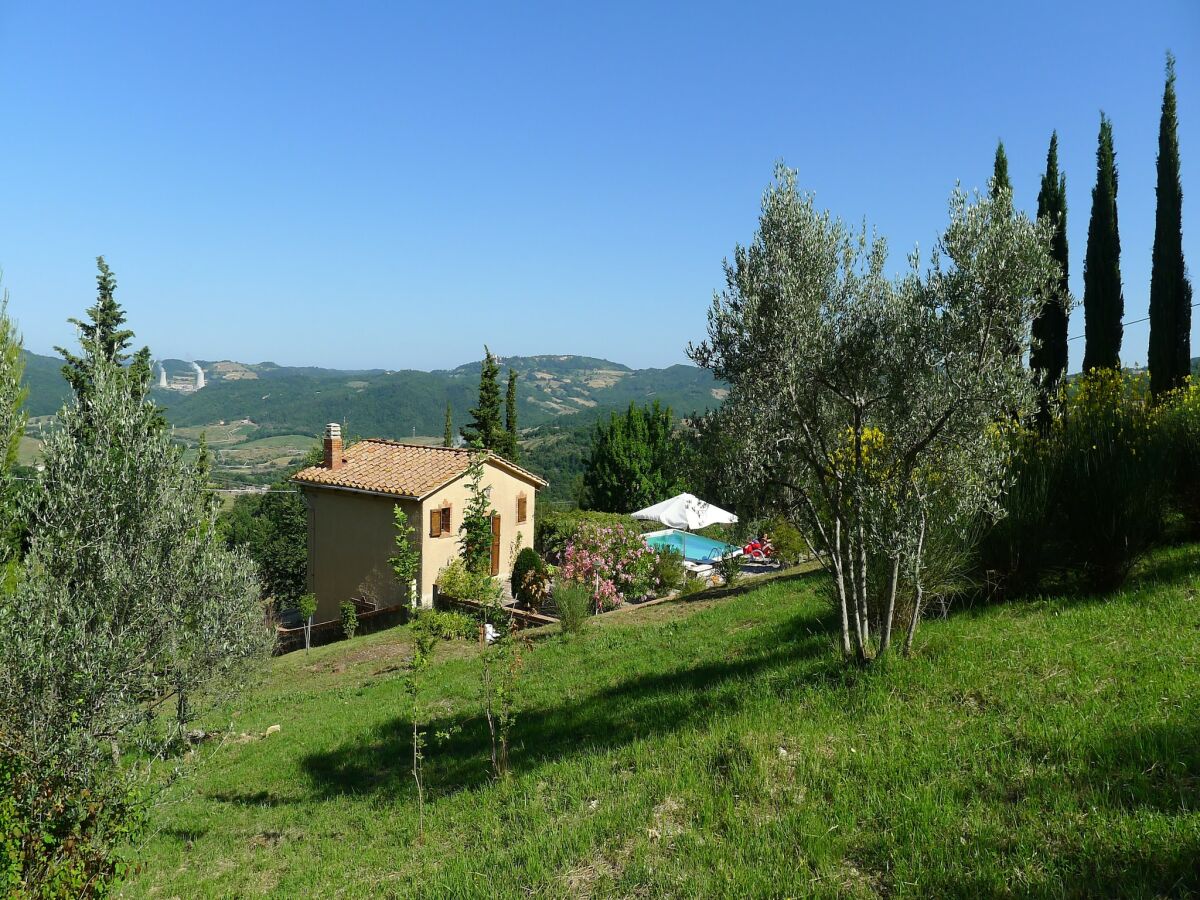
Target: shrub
x=457, y=582
x=574, y=604
x=444, y=625
x=554, y=530
x=730, y=570
x=692, y=586
x=306, y=605
x=613, y=560
x=1018, y=548
x=668, y=569
x=530, y=579
x=57, y=840
x=790, y=546
x=349, y=619
x=1181, y=435
x=1108, y=477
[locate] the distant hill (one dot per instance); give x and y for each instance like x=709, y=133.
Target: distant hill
x=47, y=387
x=375, y=402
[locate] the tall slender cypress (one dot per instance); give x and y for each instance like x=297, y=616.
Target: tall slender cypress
x=448, y=436
x=485, y=424
x=1103, y=303
x=512, y=447
x=1170, y=293
x=1000, y=179
x=1048, y=357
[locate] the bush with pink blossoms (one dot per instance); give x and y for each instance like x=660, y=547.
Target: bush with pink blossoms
x=612, y=560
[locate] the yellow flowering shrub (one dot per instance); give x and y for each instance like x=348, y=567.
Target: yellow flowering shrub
x=873, y=453
x=1180, y=413
x=1108, y=484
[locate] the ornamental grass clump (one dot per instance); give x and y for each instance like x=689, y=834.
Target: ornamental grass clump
x=574, y=604
x=613, y=561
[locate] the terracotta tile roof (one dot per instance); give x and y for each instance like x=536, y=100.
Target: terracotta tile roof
x=405, y=470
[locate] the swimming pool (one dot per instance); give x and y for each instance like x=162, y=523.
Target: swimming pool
x=694, y=547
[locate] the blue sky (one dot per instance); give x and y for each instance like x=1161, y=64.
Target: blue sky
x=389, y=185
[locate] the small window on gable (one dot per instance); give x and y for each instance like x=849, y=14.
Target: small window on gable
x=435, y=523
x=522, y=508
x=445, y=519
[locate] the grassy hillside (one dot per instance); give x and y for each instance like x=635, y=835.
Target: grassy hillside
x=717, y=748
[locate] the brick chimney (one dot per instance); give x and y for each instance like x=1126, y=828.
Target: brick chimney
x=333, y=446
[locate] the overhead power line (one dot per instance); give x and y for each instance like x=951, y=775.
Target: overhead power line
x=1080, y=337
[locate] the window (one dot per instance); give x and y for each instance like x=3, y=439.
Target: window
x=522, y=505
x=439, y=521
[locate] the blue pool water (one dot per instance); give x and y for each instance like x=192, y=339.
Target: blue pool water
x=693, y=547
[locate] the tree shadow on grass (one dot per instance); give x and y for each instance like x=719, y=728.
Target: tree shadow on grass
x=1164, y=564
x=746, y=585
x=246, y=798
x=1153, y=767
x=1124, y=872
x=646, y=705
x=1123, y=775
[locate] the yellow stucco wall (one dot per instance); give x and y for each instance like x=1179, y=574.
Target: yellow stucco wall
x=350, y=538
x=351, y=535
x=437, y=552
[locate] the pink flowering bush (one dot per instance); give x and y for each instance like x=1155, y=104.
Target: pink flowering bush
x=612, y=560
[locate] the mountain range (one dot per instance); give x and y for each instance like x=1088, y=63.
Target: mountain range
x=377, y=402
x=565, y=389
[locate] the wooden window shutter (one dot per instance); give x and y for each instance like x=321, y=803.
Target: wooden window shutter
x=521, y=508
x=445, y=519
x=435, y=522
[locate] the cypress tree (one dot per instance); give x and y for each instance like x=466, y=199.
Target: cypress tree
x=1048, y=358
x=1103, y=303
x=1000, y=192
x=999, y=180
x=1170, y=293
x=448, y=435
x=485, y=427
x=511, y=446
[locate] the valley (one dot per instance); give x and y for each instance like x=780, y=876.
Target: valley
x=261, y=419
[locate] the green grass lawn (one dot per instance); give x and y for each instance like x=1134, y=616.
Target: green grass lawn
x=718, y=748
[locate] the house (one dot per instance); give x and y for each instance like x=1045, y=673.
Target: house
x=351, y=497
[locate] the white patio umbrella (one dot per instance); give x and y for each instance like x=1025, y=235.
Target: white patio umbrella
x=686, y=511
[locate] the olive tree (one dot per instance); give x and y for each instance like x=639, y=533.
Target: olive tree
x=867, y=406
x=12, y=426
x=127, y=612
